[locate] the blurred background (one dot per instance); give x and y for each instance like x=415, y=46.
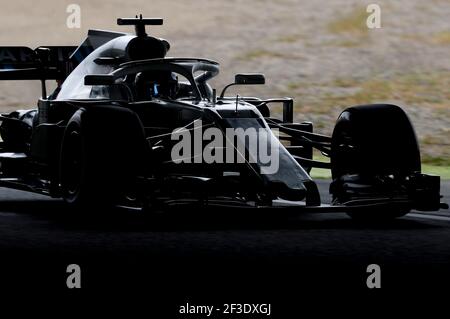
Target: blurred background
x=319, y=52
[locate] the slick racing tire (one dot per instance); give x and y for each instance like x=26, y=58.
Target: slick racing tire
x=103, y=152
x=372, y=145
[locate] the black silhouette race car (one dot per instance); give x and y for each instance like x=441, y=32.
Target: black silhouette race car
x=110, y=134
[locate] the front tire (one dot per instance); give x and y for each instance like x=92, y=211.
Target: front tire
x=374, y=149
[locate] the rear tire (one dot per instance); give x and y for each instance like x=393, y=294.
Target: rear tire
x=372, y=143
x=103, y=151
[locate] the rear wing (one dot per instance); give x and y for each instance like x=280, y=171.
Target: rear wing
x=43, y=63
x=49, y=62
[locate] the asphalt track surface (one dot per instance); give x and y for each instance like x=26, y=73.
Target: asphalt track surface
x=223, y=255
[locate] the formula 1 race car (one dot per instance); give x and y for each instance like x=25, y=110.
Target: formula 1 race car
x=129, y=126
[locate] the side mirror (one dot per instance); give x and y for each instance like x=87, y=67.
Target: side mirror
x=99, y=79
x=245, y=79
x=249, y=79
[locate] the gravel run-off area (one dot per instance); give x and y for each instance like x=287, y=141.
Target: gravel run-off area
x=319, y=52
